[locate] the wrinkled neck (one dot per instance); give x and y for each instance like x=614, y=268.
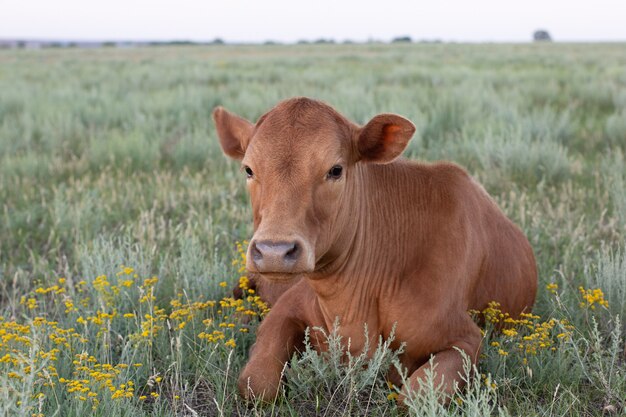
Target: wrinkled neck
x=371, y=249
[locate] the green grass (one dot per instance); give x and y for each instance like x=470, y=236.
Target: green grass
x=109, y=157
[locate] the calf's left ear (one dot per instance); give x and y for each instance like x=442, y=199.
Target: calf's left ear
x=383, y=138
x=234, y=132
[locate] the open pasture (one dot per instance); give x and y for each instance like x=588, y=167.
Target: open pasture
x=119, y=222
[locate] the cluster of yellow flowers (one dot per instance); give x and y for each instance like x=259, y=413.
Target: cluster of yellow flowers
x=87, y=379
x=234, y=314
x=91, y=377
x=527, y=334
x=92, y=317
x=591, y=297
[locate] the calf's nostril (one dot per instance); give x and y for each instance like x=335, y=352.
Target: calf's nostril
x=256, y=253
x=293, y=252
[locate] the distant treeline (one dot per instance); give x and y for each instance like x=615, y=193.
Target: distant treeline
x=36, y=44
x=540, y=35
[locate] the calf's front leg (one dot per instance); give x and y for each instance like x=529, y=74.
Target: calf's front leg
x=278, y=336
x=447, y=366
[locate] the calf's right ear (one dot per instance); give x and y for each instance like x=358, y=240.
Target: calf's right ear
x=234, y=132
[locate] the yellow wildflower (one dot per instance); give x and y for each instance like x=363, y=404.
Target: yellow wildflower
x=552, y=287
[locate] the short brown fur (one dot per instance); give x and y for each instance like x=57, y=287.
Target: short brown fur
x=389, y=243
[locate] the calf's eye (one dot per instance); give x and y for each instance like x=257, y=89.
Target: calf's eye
x=335, y=172
x=249, y=172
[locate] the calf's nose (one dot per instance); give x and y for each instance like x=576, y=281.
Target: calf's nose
x=271, y=256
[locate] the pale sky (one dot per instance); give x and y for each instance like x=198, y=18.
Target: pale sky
x=288, y=21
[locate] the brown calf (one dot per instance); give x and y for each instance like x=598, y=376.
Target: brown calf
x=344, y=229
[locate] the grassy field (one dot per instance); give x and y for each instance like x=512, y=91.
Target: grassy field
x=120, y=220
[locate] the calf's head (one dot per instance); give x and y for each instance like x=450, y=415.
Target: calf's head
x=301, y=163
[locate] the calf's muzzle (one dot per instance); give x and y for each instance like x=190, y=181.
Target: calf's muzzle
x=277, y=256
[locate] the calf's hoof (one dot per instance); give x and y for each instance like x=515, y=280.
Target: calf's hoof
x=256, y=386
